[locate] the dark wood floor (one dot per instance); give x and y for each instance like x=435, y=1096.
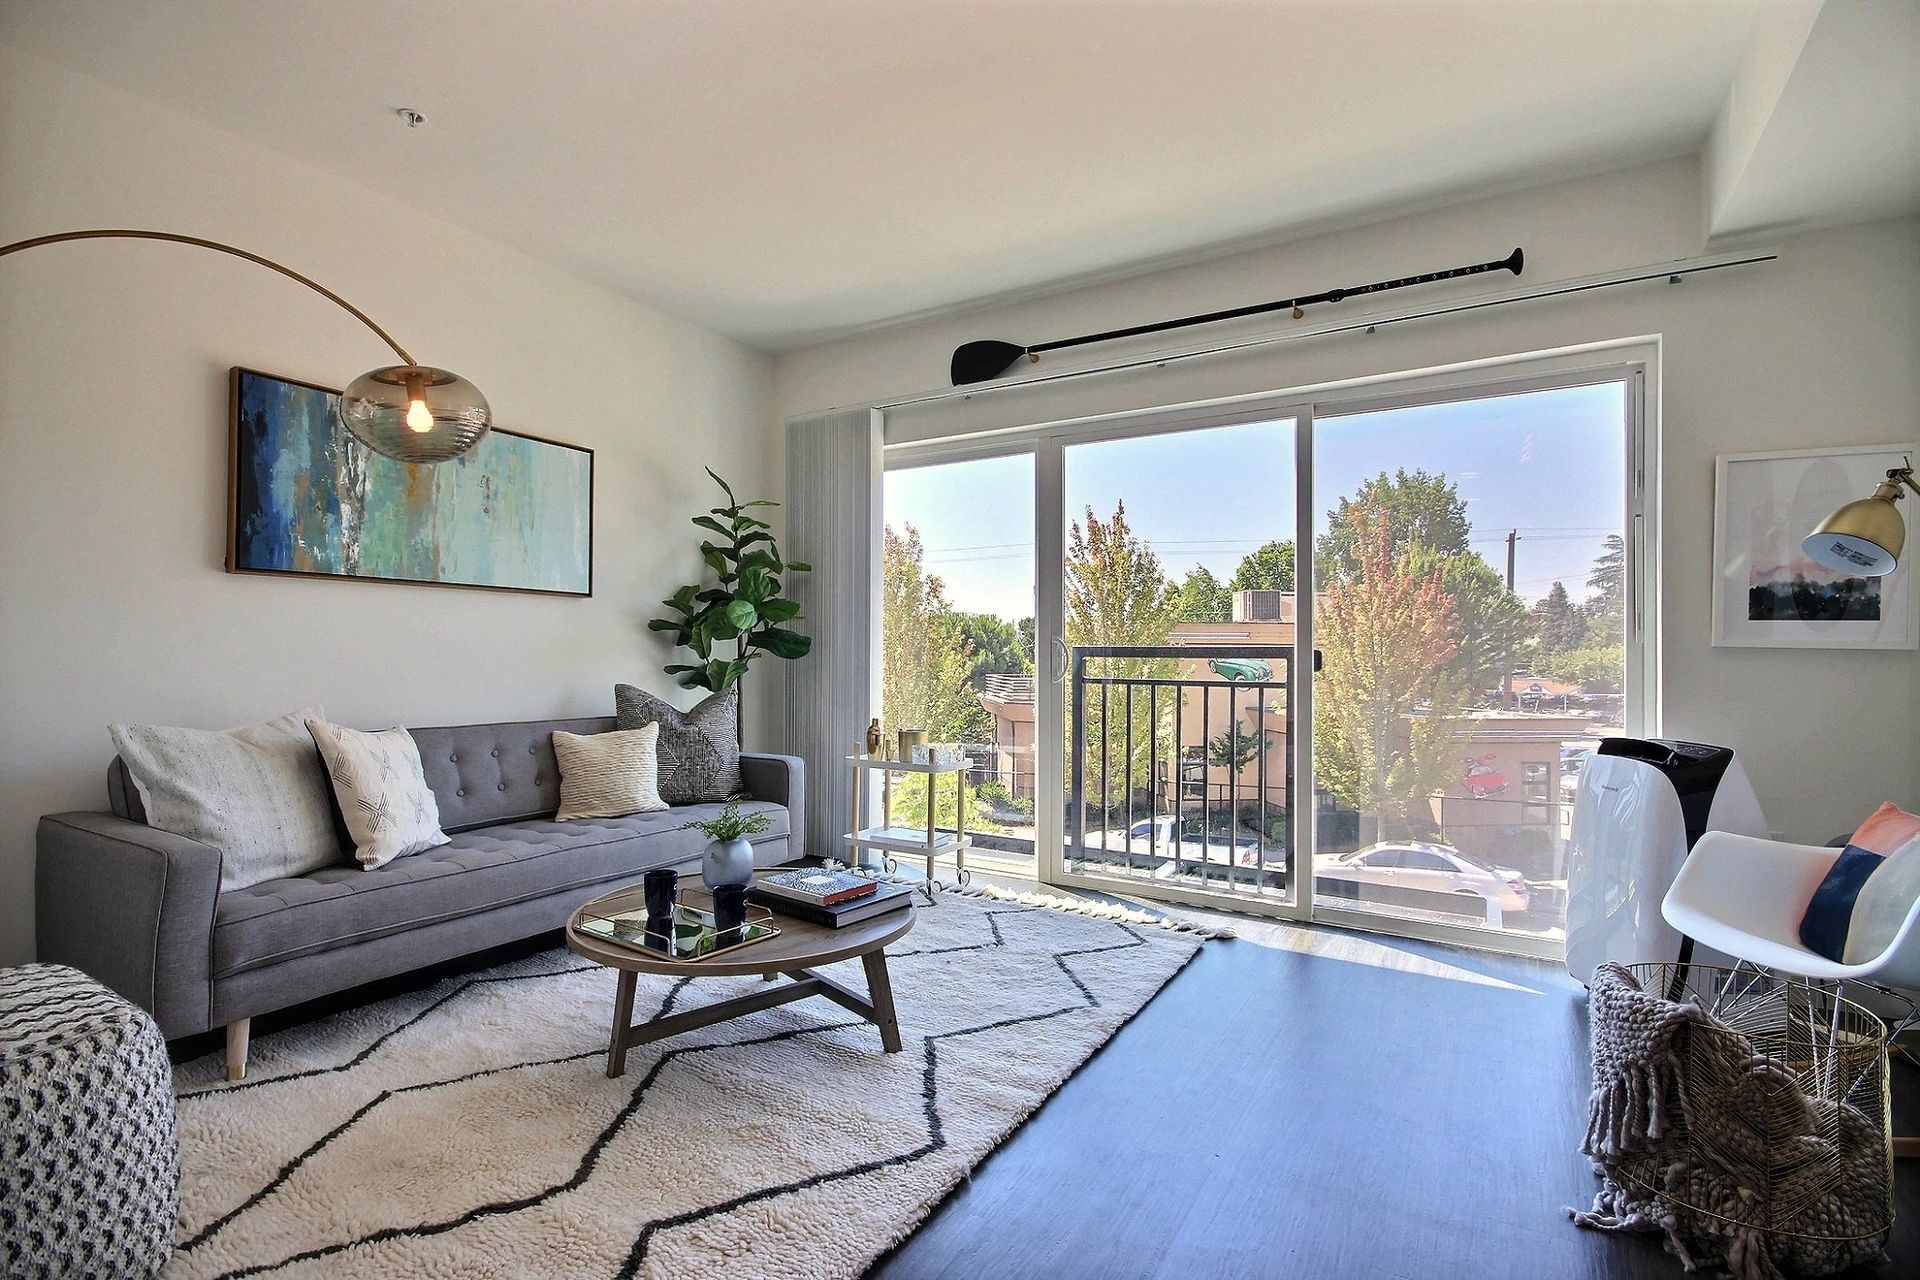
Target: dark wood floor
x=1329, y=1107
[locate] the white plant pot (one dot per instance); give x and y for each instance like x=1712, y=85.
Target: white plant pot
x=727, y=862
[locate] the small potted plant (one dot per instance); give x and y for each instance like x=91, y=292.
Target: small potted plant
x=729, y=855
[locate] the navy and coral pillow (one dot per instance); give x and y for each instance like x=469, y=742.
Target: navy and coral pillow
x=1870, y=890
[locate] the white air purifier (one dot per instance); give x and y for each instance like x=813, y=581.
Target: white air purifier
x=1641, y=805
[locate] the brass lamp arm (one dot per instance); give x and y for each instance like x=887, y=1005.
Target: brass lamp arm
x=270, y=264
x=1902, y=475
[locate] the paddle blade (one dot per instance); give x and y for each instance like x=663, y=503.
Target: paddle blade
x=984, y=360
x=1515, y=261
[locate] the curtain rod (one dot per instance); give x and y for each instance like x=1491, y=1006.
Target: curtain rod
x=1671, y=272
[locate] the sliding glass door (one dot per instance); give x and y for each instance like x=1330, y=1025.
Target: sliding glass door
x=1115, y=619
x=1177, y=589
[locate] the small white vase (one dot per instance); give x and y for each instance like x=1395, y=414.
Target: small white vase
x=727, y=862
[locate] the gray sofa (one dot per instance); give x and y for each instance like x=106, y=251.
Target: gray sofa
x=141, y=909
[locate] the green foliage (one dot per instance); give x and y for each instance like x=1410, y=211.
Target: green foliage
x=1606, y=609
x=1389, y=695
x=731, y=824
x=1203, y=599
x=1493, y=621
x=910, y=803
x=1118, y=595
x=1236, y=748
x=1268, y=569
x=1417, y=507
x=745, y=610
x=1558, y=623
x=1595, y=670
x=997, y=646
x=927, y=663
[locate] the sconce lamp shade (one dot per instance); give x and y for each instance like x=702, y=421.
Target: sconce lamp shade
x=1864, y=538
x=414, y=413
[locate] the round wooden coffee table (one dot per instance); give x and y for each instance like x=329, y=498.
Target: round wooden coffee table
x=794, y=955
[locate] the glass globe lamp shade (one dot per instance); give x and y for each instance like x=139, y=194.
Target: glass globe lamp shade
x=413, y=413
x=1863, y=538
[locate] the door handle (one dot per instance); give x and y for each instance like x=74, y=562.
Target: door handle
x=1060, y=661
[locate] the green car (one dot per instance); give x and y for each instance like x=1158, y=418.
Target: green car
x=1240, y=669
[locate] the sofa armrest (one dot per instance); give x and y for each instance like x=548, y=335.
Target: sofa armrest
x=779, y=780
x=132, y=906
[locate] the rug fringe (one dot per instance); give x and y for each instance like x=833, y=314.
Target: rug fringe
x=1080, y=906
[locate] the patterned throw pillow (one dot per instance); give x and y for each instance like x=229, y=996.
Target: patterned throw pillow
x=258, y=794
x=699, y=750
x=607, y=775
x=1866, y=895
x=382, y=791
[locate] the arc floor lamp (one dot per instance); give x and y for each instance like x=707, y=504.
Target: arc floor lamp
x=410, y=412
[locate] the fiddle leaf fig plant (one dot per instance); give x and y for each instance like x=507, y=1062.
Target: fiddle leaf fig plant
x=744, y=612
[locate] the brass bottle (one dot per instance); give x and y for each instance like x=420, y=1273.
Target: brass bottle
x=873, y=737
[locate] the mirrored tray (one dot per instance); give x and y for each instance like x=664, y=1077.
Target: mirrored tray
x=622, y=918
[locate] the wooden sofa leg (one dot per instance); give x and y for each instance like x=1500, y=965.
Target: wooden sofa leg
x=237, y=1034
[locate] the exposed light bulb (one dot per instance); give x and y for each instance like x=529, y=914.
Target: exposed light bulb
x=419, y=418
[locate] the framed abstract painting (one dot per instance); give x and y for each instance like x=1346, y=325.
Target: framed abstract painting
x=306, y=498
x=1767, y=592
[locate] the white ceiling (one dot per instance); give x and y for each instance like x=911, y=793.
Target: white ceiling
x=789, y=170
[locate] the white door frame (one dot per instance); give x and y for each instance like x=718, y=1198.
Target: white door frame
x=1634, y=361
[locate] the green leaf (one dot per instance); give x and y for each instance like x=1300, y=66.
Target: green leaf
x=755, y=536
x=663, y=624
x=678, y=668
x=708, y=522
x=782, y=643
x=799, y=566
x=718, y=671
x=757, y=584
x=779, y=609
x=748, y=522
x=760, y=560
x=722, y=483
x=681, y=599
x=759, y=502
x=712, y=594
x=741, y=614
x=715, y=561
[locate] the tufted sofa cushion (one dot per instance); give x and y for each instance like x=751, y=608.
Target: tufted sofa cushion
x=487, y=773
x=477, y=870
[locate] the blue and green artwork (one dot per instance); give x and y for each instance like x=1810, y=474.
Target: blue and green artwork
x=516, y=512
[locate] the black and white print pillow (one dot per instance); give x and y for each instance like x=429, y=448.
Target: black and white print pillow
x=698, y=750
x=382, y=791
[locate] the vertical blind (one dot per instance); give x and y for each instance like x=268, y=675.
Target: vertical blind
x=834, y=521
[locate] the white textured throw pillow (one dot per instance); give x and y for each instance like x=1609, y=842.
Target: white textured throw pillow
x=382, y=790
x=258, y=794
x=608, y=775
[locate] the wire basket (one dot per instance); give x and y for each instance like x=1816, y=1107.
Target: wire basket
x=1782, y=1123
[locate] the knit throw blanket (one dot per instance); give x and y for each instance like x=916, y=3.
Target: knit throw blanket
x=1717, y=1135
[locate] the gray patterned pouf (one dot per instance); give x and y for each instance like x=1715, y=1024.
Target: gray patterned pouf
x=89, y=1162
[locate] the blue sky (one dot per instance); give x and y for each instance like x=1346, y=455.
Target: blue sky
x=1550, y=463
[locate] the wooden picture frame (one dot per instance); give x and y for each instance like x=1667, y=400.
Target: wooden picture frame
x=304, y=499
x=1766, y=593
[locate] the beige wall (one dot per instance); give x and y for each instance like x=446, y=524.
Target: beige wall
x=113, y=365
x=1822, y=347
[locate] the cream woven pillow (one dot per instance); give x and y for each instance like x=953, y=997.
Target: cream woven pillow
x=382, y=791
x=608, y=775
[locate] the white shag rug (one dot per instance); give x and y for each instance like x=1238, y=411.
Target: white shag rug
x=469, y=1130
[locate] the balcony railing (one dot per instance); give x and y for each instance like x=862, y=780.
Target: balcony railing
x=1180, y=774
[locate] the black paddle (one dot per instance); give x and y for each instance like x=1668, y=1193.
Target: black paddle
x=987, y=359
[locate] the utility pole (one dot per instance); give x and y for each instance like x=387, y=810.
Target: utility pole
x=1506, y=667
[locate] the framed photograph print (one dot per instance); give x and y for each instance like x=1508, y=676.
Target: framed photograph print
x=1766, y=592
x=306, y=498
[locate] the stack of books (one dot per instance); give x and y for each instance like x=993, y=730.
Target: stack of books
x=831, y=898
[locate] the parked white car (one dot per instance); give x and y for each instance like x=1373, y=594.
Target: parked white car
x=1416, y=866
